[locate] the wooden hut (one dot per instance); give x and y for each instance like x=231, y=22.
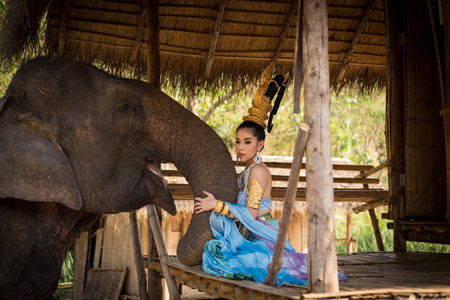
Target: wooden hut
x=403, y=45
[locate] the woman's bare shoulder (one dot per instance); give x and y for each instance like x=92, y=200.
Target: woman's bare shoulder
x=260, y=171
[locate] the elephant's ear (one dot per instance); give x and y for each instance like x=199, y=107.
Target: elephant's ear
x=34, y=167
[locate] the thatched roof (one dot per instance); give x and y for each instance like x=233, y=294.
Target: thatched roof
x=252, y=33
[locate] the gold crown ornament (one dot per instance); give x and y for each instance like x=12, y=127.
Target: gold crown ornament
x=262, y=103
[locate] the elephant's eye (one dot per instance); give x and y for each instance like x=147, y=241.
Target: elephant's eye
x=125, y=107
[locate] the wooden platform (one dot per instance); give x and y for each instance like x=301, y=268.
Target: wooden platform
x=373, y=275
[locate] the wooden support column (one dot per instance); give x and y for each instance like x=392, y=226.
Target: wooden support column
x=289, y=201
x=153, y=63
x=63, y=27
x=153, y=77
x=395, y=115
x=445, y=4
x=142, y=281
x=322, y=259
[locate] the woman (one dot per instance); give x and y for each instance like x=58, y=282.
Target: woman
x=245, y=234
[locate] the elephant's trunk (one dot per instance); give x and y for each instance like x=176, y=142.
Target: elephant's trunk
x=203, y=159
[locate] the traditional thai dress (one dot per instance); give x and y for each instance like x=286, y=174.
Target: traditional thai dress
x=234, y=256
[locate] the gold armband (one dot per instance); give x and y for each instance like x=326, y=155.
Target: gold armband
x=222, y=209
x=254, y=196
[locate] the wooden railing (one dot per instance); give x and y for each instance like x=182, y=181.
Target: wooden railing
x=350, y=183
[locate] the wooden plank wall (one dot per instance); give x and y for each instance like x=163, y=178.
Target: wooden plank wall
x=117, y=249
x=80, y=250
x=424, y=139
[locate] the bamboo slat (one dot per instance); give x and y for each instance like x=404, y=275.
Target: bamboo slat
x=80, y=256
x=373, y=275
x=104, y=284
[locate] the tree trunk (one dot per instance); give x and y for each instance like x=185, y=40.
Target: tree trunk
x=322, y=259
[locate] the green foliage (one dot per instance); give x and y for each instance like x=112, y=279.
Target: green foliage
x=362, y=230
x=6, y=74
x=67, y=268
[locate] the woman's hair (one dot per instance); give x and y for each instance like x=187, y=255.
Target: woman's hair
x=258, y=130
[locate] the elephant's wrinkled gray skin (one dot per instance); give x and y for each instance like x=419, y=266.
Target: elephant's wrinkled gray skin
x=74, y=143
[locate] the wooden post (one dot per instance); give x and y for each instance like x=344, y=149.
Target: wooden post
x=322, y=259
x=142, y=281
x=298, y=58
x=395, y=115
x=376, y=229
x=153, y=63
x=162, y=252
x=348, y=236
x=153, y=77
x=289, y=201
x=63, y=27
x=445, y=4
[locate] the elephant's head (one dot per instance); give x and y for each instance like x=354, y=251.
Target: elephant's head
x=70, y=133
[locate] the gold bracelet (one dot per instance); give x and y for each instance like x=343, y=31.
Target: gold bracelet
x=255, y=193
x=219, y=207
x=222, y=209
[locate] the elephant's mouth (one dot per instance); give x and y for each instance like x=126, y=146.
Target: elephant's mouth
x=166, y=202
x=154, y=169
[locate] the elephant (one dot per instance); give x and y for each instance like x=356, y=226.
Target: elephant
x=75, y=143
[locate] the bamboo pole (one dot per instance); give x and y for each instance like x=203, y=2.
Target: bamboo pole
x=354, y=43
x=142, y=281
x=395, y=116
x=289, y=200
x=322, y=259
x=216, y=32
x=162, y=252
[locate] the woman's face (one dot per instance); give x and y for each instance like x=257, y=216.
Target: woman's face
x=247, y=144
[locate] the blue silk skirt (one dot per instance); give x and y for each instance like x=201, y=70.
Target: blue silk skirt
x=233, y=256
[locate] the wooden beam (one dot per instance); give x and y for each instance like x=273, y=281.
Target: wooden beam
x=153, y=64
x=322, y=259
x=142, y=281
x=289, y=201
x=139, y=35
x=162, y=252
x=356, y=37
x=374, y=170
x=372, y=205
x=283, y=33
x=215, y=38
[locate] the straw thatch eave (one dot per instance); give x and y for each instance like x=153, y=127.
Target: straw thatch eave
x=248, y=36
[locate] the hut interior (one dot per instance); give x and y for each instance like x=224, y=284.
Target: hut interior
x=403, y=46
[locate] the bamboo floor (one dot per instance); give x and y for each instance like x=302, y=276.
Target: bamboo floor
x=373, y=275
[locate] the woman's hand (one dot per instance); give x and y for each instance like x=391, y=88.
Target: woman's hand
x=205, y=204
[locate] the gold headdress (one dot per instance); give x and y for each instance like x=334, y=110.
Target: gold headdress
x=262, y=103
